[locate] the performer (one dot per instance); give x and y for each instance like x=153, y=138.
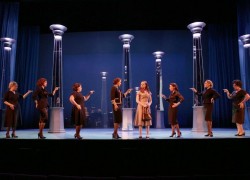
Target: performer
x=40, y=96
x=78, y=115
x=144, y=100
x=208, y=97
x=13, y=110
x=238, y=97
x=116, y=99
x=175, y=99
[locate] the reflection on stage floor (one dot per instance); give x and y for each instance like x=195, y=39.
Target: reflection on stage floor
x=106, y=134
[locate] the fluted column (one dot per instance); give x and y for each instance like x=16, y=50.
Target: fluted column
x=245, y=76
x=57, y=115
x=159, y=85
x=104, y=106
x=127, y=123
x=198, y=76
x=6, y=72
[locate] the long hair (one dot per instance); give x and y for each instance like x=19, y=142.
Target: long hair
x=40, y=82
x=146, y=88
x=175, y=86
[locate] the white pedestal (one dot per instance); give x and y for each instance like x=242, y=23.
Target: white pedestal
x=160, y=119
x=247, y=119
x=127, y=119
x=199, y=124
x=56, y=120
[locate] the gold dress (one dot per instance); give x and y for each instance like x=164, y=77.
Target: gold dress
x=142, y=98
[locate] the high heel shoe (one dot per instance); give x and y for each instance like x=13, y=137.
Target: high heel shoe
x=7, y=135
x=14, y=136
x=243, y=134
x=209, y=135
x=78, y=136
x=179, y=135
x=173, y=134
x=40, y=136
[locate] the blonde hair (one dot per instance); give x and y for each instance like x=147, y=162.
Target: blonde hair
x=12, y=83
x=210, y=83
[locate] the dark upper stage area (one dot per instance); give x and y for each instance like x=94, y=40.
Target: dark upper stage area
x=115, y=15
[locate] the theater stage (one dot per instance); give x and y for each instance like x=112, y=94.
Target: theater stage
x=98, y=155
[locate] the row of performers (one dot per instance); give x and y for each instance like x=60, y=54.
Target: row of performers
x=143, y=99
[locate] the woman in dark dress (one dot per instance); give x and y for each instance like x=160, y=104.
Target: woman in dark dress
x=40, y=96
x=116, y=99
x=78, y=116
x=208, y=97
x=13, y=110
x=175, y=99
x=238, y=97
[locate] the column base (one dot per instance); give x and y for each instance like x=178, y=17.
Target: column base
x=56, y=120
x=127, y=119
x=160, y=119
x=199, y=124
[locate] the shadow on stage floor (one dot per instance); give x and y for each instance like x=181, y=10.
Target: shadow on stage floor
x=160, y=157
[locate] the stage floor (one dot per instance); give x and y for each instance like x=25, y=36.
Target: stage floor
x=106, y=134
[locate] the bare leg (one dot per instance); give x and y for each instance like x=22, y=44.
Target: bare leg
x=173, y=131
x=147, y=131
x=140, y=131
x=178, y=130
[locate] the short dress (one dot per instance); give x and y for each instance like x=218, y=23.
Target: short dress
x=238, y=114
x=78, y=117
x=142, y=98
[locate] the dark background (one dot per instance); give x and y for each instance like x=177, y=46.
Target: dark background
x=91, y=44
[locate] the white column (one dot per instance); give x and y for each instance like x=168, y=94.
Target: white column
x=56, y=109
x=159, y=114
x=198, y=76
x=6, y=73
x=127, y=113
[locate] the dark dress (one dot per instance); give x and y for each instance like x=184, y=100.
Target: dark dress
x=41, y=95
x=174, y=97
x=78, y=117
x=12, y=116
x=207, y=95
x=238, y=113
x=117, y=95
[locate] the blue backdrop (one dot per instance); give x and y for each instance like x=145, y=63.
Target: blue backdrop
x=87, y=54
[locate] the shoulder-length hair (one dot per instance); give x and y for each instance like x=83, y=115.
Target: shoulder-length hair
x=116, y=80
x=175, y=86
x=41, y=81
x=146, y=88
x=76, y=86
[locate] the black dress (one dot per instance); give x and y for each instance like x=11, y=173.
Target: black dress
x=78, y=117
x=117, y=96
x=41, y=95
x=174, y=97
x=238, y=113
x=12, y=116
x=207, y=95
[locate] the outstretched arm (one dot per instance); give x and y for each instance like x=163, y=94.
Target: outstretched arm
x=228, y=94
x=88, y=95
x=27, y=93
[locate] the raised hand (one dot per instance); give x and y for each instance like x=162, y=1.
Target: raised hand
x=193, y=89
